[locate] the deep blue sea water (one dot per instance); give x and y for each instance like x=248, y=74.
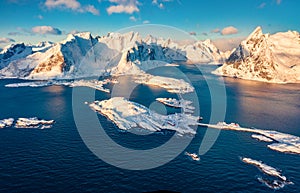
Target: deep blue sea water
x=57, y=160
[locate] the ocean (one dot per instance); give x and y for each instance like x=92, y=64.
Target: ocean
x=58, y=160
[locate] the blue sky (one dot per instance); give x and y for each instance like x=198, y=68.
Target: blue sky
x=39, y=20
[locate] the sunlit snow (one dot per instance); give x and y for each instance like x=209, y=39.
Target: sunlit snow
x=283, y=142
x=127, y=115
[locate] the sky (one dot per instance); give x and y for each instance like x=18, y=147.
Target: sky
x=32, y=21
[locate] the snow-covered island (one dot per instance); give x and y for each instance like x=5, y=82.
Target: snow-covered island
x=6, y=122
x=128, y=115
x=264, y=168
x=286, y=143
x=172, y=85
x=270, y=171
x=263, y=57
x=33, y=122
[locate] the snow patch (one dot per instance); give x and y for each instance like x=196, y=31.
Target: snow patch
x=261, y=138
x=172, y=102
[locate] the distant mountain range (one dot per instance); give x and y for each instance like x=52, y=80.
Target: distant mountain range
x=83, y=55
x=263, y=57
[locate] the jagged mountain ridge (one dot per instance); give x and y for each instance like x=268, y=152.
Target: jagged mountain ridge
x=264, y=57
x=82, y=55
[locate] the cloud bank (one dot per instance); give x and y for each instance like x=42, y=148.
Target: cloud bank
x=6, y=40
x=43, y=30
x=229, y=30
x=123, y=6
x=73, y=5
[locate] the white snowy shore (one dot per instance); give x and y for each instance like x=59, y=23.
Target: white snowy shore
x=172, y=85
x=128, y=115
x=172, y=102
x=95, y=84
x=283, y=142
x=261, y=138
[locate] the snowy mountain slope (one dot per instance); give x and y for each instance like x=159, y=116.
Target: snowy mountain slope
x=14, y=52
x=42, y=46
x=83, y=55
x=264, y=57
x=143, y=56
x=59, y=59
x=203, y=52
x=153, y=52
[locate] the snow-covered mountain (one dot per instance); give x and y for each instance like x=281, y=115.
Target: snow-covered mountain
x=42, y=46
x=14, y=52
x=83, y=55
x=264, y=57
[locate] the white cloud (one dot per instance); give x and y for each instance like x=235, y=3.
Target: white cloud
x=262, y=5
x=40, y=16
x=46, y=30
x=123, y=6
x=122, y=9
x=154, y=2
x=160, y=3
x=161, y=6
x=132, y=18
x=229, y=30
x=14, y=33
x=20, y=31
x=91, y=9
x=6, y=40
x=225, y=44
x=216, y=30
x=71, y=4
x=118, y=1
x=278, y=2
x=74, y=31
x=146, y=22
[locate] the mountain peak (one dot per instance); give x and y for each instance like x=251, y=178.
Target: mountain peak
x=257, y=33
x=82, y=35
x=207, y=41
